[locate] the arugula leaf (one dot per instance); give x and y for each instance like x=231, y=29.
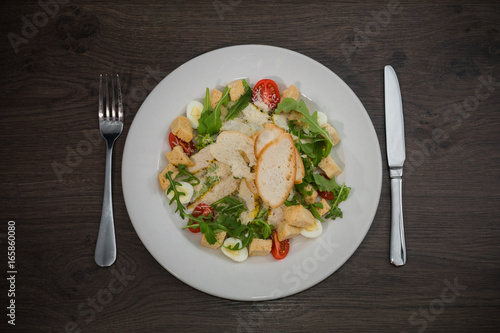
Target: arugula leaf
x=209, y=233
x=296, y=200
x=316, y=149
x=206, y=102
x=260, y=229
x=308, y=168
x=245, y=84
x=246, y=233
x=307, y=148
x=262, y=214
x=173, y=187
x=189, y=177
x=176, y=198
x=313, y=208
x=302, y=189
x=240, y=104
x=288, y=104
x=325, y=184
x=210, y=122
x=320, y=145
x=207, y=110
x=342, y=195
x=229, y=210
x=229, y=205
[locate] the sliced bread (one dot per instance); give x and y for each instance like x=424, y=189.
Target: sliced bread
x=269, y=134
x=251, y=184
x=301, y=171
x=276, y=170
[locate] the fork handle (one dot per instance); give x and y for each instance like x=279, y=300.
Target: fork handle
x=398, y=246
x=105, y=251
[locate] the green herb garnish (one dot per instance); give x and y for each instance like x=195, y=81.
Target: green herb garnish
x=229, y=205
x=341, y=195
x=177, y=194
x=228, y=211
x=319, y=144
x=188, y=177
x=203, y=140
x=241, y=103
x=325, y=184
x=210, y=122
x=288, y=104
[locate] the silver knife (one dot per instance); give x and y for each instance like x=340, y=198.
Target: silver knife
x=395, y=134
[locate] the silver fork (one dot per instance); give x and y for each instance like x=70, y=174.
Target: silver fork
x=111, y=126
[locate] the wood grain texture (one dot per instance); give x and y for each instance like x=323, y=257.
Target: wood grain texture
x=445, y=54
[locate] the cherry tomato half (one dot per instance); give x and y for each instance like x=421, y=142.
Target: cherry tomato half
x=325, y=194
x=201, y=209
x=267, y=91
x=188, y=147
x=279, y=249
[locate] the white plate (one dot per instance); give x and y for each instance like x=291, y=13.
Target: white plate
x=259, y=278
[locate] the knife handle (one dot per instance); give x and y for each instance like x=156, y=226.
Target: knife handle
x=398, y=246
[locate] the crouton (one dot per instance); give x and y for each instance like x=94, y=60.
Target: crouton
x=295, y=115
x=291, y=92
x=178, y=156
x=325, y=209
x=330, y=168
x=286, y=231
x=310, y=198
x=220, y=236
x=236, y=89
x=164, y=182
x=260, y=247
x=182, y=128
x=332, y=133
x=215, y=97
x=299, y=216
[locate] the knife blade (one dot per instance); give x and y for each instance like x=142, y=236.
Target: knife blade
x=396, y=155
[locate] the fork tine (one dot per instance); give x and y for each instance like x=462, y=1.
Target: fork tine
x=119, y=92
x=107, y=98
x=113, y=106
x=101, y=109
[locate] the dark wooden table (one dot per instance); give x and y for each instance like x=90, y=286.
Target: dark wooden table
x=447, y=57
